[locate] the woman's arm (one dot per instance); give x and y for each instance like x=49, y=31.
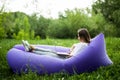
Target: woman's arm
x=71, y=49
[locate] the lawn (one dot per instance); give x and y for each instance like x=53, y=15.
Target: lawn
x=103, y=73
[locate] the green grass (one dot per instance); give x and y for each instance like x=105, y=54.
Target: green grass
x=103, y=73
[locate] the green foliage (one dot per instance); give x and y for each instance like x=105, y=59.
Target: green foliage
x=21, y=35
x=22, y=28
x=110, y=10
x=2, y=33
x=98, y=24
x=5, y=24
x=102, y=73
x=58, y=29
x=68, y=24
x=2, y=8
x=39, y=25
x=37, y=38
x=32, y=34
x=17, y=25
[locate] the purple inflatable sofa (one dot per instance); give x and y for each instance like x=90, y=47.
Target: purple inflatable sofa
x=89, y=59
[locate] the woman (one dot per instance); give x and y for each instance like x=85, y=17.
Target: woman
x=83, y=37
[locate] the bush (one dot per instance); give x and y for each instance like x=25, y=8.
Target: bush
x=66, y=26
x=2, y=33
x=21, y=35
x=58, y=29
x=37, y=38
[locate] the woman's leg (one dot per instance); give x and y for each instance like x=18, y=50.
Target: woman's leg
x=44, y=50
x=49, y=54
x=45, y=53
x=26, y=45
x=40, y=51
x=30, y=48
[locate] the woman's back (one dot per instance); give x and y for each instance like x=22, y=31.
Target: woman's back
x=78, y=47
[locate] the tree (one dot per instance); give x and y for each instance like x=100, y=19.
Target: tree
x=6, y=24
x=68, y=24
x=22, y=28
x=110, y=10
x=2, y=9
x=42, y=26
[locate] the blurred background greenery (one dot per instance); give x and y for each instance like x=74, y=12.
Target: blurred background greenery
x=103, y=17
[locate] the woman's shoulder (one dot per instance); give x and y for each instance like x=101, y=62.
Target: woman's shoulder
x=82, y=43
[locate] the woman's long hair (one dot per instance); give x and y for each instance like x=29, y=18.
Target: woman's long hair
x=84, y=34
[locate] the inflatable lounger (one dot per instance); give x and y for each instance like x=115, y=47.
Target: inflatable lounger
x=89, y=59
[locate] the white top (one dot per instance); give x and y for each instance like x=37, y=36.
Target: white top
x=78, y=47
